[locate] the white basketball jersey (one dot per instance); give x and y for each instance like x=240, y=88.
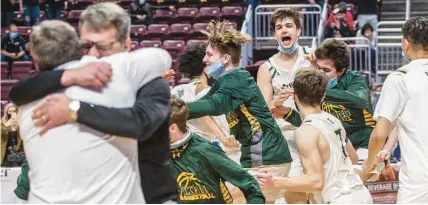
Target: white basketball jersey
x=339, y=176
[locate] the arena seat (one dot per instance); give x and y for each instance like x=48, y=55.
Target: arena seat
x=138, y=32
x=21, y=69
x=74, y=16
x=179, y=32
x=196, y=33
x=164, y=16
x=207, y=14
x=187, y=15
x=24, y=31
x=174, y=47
x=4, y=70
x=157, y=31
x=6, y=85
x=135, y=45
x=193, y=42
x=232, y=13
x=150, y=43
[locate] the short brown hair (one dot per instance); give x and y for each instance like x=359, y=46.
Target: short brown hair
x=283, y=13
x=179, y=113
x=310, y=86
x=335, y=50
x=226, y=39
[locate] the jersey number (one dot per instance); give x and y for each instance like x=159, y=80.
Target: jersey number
x=337, y=132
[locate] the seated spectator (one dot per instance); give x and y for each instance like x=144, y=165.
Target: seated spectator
x=338, y=28
x=348, y=15
x=12, y=48
x=11, y=144
x=141, y=11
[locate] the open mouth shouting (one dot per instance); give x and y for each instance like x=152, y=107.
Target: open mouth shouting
x=286, y=41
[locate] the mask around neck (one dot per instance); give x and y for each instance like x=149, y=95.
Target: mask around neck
x=288, y=51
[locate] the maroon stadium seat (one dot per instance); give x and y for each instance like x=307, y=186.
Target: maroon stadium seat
x=21, y=69
x=163, y=16
x=209, y=13
x=173, y=47
x=149, y=44
x=179, y=32
x=4, y=30
x=4, y=70
x=196, y=42
x=138, y=32
x=18, y=18
x=197, y=27
x=24, y=31
x=135, y=45
x=74, y=16
x=5, y=88
x=187, y=15
x=233, y=13
x=157, y=31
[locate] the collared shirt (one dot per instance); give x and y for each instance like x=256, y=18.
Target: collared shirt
x=403, y=102
x=12, y=45
x=76, y=164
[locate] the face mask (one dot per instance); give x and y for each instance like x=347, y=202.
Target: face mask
x=289, y=51
x=332, y=82
x=13, y=35
x=142, y=2
x=215, y=70
x=377, y=94
x=404, y=56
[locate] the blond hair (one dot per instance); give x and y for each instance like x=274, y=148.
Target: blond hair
x=6, y=109
x=179, y=113
x=226, y=39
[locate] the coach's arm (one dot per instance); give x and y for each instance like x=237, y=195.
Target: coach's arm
x=139, y=122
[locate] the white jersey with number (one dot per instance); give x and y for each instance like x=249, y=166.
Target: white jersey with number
x=341, y=183
x=283, y=78
x=404, y=102
x=76, y=164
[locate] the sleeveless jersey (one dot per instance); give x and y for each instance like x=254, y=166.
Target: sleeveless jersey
x=339, y=176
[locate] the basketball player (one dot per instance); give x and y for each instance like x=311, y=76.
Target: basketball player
x=237, y=95
x=203, y=168
x=321, y=141
x=402, y=104
x=277, y=74
x=191, y=65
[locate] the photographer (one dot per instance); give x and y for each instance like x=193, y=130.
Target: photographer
x=11, y=144
x=339, y=27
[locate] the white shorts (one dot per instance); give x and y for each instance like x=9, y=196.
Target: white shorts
x=361, y=196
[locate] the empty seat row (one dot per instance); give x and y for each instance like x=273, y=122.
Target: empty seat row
x=174, y=32
x=174, y=47
x=20, y=69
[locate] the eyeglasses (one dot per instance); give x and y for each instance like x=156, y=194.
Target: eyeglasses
x=102, y=47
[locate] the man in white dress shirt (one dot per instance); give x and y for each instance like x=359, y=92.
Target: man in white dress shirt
x=403, y=104
x=74, y=163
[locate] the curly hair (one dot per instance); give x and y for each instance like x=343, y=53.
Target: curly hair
x=415, y=30
x=335, y=50
x=190, y=62
x=226, y=39
x=310, y=86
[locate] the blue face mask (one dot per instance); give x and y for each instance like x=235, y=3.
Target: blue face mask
x=332, y=82
x=215, y=70
x=142, y=2
x=288, y=51
x=13, y=35
x=404, y=56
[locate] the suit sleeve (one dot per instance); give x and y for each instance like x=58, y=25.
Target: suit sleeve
x=36, y=86
x=231, y=172
x=139, y=122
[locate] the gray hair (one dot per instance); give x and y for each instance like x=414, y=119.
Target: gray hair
x=53, y=43
x=102, y=15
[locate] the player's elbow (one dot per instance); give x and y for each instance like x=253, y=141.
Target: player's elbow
x=318, y=184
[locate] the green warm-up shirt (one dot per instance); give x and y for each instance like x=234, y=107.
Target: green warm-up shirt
x=349, y=101
x=203, y=168
x=237, y=95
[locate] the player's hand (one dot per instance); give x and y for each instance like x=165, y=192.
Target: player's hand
x=312, y=59
x=368, y=166
x=265, y=178
x=169, y=75
x=53, y=113
x=94, y=74
x=279, y=111
x=282, y=97
x=229, y=142
x=383, y=155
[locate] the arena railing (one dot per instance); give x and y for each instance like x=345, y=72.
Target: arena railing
x=264, y=37
x=321, y=27
x=360, y=54
x=389, y=55
x=247, y=27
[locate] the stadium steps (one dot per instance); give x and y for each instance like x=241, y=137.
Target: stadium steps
x=395, y=10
